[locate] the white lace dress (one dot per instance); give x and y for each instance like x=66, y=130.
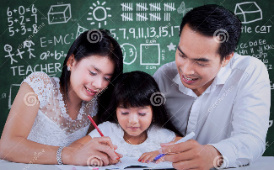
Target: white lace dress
x=155, y=136
x=52, y=125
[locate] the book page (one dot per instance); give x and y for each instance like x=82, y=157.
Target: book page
x=125, y=162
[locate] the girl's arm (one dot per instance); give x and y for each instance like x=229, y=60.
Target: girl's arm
x=14, y=145
x=149, y=156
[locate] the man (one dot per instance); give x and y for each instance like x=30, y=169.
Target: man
x=210, y=90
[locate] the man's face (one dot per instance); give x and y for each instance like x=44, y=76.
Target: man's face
x=197, y=60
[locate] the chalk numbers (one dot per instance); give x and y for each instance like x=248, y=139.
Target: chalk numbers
x=149, y=32
x=19, y=18
x=23, y=30
x=34, y=28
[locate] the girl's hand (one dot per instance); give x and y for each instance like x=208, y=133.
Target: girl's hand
x=148, y=156
x=90, y=151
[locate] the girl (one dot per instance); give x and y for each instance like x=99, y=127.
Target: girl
x=50, y=113
x=135, y=120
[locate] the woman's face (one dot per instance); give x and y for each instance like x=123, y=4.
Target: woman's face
x=90, y=75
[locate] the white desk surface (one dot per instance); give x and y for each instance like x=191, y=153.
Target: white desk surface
x=262, y=163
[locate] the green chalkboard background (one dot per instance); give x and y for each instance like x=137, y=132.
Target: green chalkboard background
x=36, y=34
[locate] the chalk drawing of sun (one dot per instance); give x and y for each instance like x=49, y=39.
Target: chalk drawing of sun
x=99, y=13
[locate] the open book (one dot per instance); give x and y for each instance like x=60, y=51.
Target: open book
x=126, y=163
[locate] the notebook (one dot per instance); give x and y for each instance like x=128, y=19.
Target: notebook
x=126, y=163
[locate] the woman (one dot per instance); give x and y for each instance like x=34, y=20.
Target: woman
x=48, y=114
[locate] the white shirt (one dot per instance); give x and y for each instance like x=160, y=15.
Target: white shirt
x=232, y=114
x=155, y=136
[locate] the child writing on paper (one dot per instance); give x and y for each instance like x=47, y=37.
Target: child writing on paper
x=136, y=120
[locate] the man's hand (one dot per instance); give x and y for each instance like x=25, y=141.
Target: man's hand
x=191, y=155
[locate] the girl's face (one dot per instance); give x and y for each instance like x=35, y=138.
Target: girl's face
x=134, y=120
x=89, y=76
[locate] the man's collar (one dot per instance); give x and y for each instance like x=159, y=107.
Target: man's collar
x=223, y=74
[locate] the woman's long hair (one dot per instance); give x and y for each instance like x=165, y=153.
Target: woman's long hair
x=100, y=43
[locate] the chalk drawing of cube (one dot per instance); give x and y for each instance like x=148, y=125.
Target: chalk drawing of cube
x=14, y=88
x=59, y=14
x=248, y=12
x=150, y=54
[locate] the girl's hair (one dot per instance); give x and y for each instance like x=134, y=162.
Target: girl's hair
x=95, y=42
x=138, y=89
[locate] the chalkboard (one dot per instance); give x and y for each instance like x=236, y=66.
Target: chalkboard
x=36, y=35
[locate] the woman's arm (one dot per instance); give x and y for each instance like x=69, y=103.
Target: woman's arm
x=15, y=146
x=81, y=142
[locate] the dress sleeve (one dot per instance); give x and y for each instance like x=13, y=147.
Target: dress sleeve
x=168, y=135
x=161, y=135
x=42, y=86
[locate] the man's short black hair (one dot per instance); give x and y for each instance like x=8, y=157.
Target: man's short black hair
x=214, y=20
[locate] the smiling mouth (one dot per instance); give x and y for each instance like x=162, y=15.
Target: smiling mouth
x=190, y=79
x=91, y=91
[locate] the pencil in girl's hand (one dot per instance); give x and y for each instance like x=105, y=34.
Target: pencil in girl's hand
x=99, y=131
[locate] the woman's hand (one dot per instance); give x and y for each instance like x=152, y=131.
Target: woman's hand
x=148, y=156
x=91, y=151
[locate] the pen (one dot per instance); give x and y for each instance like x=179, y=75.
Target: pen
x=184, y=139
x=99, y=131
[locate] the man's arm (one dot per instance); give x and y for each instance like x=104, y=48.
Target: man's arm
x=250, y=121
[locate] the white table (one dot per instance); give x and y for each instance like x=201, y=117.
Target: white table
x=262, y=163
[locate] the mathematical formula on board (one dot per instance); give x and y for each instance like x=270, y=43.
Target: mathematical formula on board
x=148, y=50
x=19, y=20
x=149, y=32
x=146, y=31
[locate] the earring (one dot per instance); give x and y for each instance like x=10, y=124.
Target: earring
x=68, y=68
